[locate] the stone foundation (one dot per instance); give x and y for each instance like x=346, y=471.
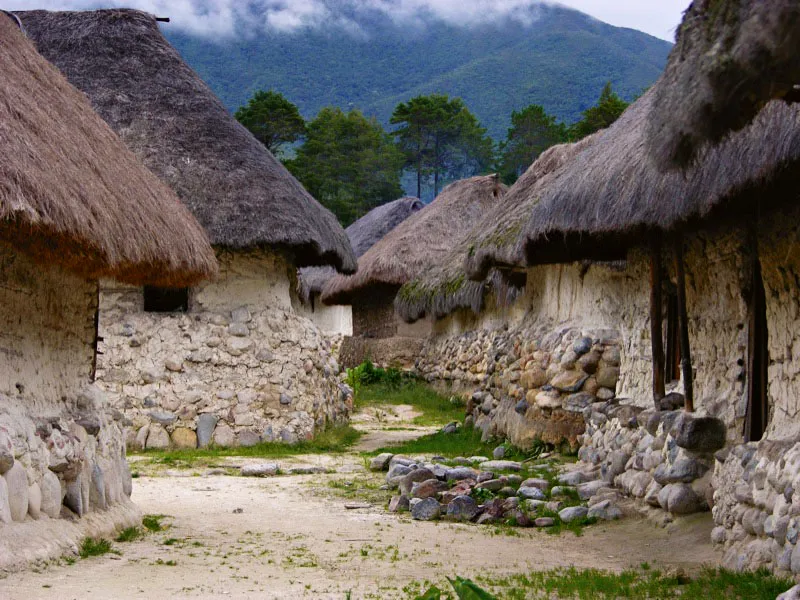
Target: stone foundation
x=239, y=368
x=533, y=381
x=663, y=458
x=757, y=506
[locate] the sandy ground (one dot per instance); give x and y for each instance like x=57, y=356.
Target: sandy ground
x=292, y=536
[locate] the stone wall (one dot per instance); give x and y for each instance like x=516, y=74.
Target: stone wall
x=532, y=368
x=62, y=451
x=240, y=367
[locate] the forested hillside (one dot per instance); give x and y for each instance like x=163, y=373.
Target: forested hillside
x=560, y=61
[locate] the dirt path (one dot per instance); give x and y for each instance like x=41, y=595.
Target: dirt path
x=292, y=540
x=291, y=536
x=386, y=425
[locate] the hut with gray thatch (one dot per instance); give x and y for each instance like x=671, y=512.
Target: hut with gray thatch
x=730, y=58
x=363, y=234
x=414, y=246
x=711, y=251
x=227, y=361
x=75, y=206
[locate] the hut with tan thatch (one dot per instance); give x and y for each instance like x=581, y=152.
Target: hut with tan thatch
x=227, y=361
x=713, y=250
x=75, y=206
x=363, y=234
x=411, y=248
x=730, y=58
x=505, y=335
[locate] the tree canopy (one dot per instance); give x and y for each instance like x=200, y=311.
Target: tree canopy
x=272, y=119
x=532, y=132
x=349, y=163
x=607, y=110
x=440, y=137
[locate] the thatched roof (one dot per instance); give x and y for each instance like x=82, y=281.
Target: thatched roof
x=730, y=59
x=72, y=194
x=612, y=195
x=363, y=234
x=173, y=122
x=421, y=241
x=472, y=267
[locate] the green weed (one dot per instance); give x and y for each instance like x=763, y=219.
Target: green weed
x=90, y=547
x=129, y=534
x=153, y=522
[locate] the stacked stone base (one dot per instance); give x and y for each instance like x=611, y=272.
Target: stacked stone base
x=228, y=377
x=665, y=459
x=529, y=383
x=757, y=506
x=62, y=472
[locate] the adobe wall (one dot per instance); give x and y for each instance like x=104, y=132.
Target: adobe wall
x=757, y=496
x=331, y=320
x=240, y=367
x=62, y=449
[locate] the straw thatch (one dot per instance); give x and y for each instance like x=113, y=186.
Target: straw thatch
x=730, y=59
x=72, y=194
x=612, y=196
x=173, y=122
x=482, y=260
x=421, y=241
x=363, y=234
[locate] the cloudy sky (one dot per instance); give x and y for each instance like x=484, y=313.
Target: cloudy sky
x=226, y=17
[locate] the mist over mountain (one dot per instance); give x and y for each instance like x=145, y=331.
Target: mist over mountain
x=368, y=58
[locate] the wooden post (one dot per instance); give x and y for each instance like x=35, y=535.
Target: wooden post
x=656, y=339
x=683, y=323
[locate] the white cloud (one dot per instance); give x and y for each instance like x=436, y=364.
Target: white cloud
x=231, y=17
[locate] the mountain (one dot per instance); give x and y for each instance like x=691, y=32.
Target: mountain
x=561, y=60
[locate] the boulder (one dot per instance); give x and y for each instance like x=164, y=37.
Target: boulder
x=415, y=476
x=531, y=493
x=459, y=473
x=569, y=381
x=428, y=488
x=5, y=508
x=224, y=435
x=462, y=508
x=567, y=515
x=260, y=470
x=380, y=462
x=184, y=438
x=399, y=504
x=157, y=437
x=6, y=451
x=501, y=465
x=35, y=501
x=427, y=509
x=698, y=434
x=17, y=482
x=51, y=495
x=605, y=510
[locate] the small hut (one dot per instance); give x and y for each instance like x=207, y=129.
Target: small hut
x=730, y=58
x=227, y=361
x=711, y=252
x=411, y=248
x=75, y=206
x=363, y=234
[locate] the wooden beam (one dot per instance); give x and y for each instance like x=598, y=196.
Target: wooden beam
x=656, y=339
x=683, y=324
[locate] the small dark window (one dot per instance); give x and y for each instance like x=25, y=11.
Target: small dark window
x=159, y=299
x=673, y=359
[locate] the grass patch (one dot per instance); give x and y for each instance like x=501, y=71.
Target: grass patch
x=90, y=547
x=129, y=534
x=153, y=522
x=645, y=584
x=436, y=409
x=334, y=439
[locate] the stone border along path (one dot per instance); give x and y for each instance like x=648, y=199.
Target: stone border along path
x=294, y=536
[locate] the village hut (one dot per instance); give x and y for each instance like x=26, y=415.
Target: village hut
x=730, y=58
x=227, y=361
x=363, y=234
x=75, y=206
x=712, y=272
x=505, y=334
x=484, y=262
x=412, y=247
